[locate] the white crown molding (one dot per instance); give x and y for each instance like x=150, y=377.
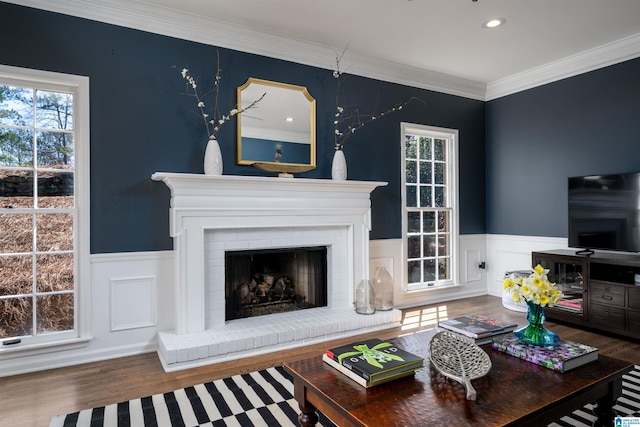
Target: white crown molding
x=592, y=59
x=152, y=18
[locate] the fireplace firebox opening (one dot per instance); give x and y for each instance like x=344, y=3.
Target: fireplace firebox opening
x=268, y=281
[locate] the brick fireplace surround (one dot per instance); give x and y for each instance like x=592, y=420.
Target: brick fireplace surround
x=213, y=214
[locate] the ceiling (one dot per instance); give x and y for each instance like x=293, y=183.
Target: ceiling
x=436, y=44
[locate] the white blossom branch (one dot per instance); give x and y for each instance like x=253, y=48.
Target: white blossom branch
x=213, y=122
x=347, y=121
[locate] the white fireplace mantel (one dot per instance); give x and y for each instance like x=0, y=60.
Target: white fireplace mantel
x=205, y=202
x=211, y=215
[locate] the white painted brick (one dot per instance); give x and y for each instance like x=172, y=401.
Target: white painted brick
x=272, y=339
x=258, y=341
x=214, y=349
x=182, y=355
x=299, y=333
x=192, y=353
x=246, y=337
x=240, y=344
x=232, y=346
x=171, y=356
x=203, y=352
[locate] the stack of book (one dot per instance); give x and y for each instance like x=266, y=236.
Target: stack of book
x=477, y=328
x=564, y=356
x=572, y=304
x=372, y=362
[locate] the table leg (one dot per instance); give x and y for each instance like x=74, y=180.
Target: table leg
x=308, y=416
x=604, y=406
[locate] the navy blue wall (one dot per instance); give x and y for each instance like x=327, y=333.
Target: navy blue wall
x=536, y=139
x=140, y=122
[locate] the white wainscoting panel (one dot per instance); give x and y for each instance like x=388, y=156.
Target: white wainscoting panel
x=509, y=253
x=148, y=278
x=133, y=303
x=471, y=260
x=470, y=280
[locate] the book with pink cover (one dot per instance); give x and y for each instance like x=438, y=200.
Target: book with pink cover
x=563, y=357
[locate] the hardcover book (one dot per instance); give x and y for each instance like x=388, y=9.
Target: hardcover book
x=563, y=357
x=570, y=304
x=477, y=326
x=484, y=340
x=374, y=359
x=359, y=379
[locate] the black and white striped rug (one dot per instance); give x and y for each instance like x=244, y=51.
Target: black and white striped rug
x=261, y=398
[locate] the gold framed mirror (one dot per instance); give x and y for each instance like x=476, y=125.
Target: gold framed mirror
x=278, y=134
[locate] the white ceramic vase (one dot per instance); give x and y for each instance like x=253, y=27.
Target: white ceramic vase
x=339, y=166
x=213, y=158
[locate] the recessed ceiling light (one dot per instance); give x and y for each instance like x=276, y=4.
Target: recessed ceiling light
x=289, y=119
x=494, y=23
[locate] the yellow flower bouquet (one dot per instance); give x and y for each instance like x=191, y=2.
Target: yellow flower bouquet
x=538, y=292
x=535, y=288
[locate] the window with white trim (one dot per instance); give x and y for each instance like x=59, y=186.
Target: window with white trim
x=430, y=218
x=44, y=217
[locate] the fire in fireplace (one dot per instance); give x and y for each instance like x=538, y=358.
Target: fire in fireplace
x=268, y=281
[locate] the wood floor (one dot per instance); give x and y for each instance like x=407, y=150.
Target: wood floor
x=32, y=399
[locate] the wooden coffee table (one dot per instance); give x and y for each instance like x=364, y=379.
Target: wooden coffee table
x=515, y=392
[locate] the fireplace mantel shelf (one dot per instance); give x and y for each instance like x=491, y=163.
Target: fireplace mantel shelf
x=182, y=181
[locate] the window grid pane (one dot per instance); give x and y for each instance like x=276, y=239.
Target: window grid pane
x=20, y=323
x=428, y=212
x=37, y=156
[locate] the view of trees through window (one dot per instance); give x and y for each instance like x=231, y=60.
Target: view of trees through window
x=37, y=212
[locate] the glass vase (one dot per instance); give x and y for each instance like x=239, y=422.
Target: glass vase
x=534, y=333
x=365, y=296
x=383, y=288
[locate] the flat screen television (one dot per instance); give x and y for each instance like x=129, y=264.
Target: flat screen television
x=604, y=212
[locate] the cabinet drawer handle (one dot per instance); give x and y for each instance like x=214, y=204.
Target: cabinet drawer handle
x=607, y=297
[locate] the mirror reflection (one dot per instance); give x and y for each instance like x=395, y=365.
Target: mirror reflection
x=278, y=134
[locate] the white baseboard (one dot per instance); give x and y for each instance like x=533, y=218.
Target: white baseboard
x=65, y=358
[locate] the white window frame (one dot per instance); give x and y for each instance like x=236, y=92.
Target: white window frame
x=451, y=135
x=79, y=87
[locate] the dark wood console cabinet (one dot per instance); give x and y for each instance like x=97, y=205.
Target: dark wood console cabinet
x=599, y=289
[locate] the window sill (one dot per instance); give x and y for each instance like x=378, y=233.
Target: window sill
x=7, y=352
x=424, y=289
